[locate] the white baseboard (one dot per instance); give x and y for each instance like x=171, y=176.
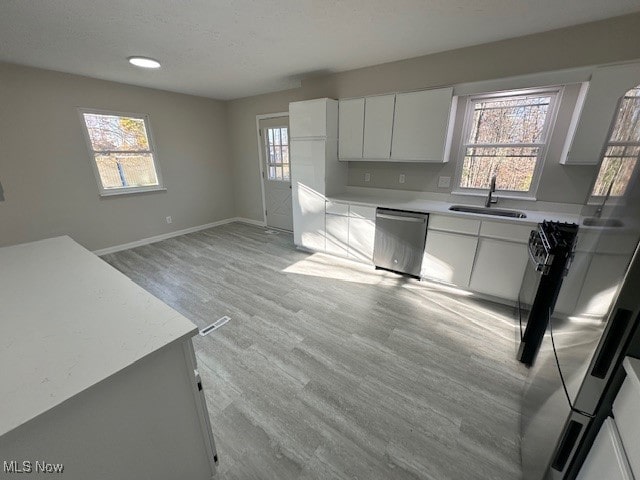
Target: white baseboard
x=257, y=223
x=164, y=236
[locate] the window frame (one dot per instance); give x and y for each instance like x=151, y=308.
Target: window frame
x=109, y=192
x=266, y=146
x=613, y=199
x=555, y=93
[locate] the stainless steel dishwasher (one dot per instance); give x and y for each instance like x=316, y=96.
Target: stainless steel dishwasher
x=400, y=239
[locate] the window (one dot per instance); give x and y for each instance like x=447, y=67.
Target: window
x=505, y=135
x=277, y=153
x=622, y=150
x=122, y=152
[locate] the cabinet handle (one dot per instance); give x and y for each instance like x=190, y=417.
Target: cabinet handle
x=399, y=218
x=615, y=336
x=569, y=439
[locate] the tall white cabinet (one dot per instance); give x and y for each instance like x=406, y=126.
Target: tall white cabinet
x=315, y=170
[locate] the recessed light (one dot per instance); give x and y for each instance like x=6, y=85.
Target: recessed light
x=144, y=62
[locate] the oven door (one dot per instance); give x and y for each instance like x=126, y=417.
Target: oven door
x=534, y=300
x=530, y=282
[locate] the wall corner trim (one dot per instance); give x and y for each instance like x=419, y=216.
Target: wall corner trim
x=176, y=233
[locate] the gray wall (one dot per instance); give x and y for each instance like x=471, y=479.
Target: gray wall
x=45, y=168
x=608, y=41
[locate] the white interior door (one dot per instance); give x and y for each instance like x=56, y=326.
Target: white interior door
x=274, y=135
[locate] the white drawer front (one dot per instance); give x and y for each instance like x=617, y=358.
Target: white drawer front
x=337, y=208
x=362, y=211
x=606, y=459
x=506, y=231
x=454, y=224
x=626, y=409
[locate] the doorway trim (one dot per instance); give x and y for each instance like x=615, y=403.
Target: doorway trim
x=260, y=155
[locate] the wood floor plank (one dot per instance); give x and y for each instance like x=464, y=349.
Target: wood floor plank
x=331, y=369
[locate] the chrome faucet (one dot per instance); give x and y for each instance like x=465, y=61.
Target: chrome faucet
x=492, y=190
x=604, y=201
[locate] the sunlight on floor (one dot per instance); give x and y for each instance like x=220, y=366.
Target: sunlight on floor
x=327, y=266
x=420, y=293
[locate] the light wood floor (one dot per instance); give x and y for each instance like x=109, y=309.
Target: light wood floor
x=330, y=369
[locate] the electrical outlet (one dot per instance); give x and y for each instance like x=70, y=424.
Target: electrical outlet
x=367, y=177
x=402, y=178
x=444, y=182
x=169, y=219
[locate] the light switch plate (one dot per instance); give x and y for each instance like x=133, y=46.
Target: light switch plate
x=402, y=178
x=444, y=182
x=367, y=177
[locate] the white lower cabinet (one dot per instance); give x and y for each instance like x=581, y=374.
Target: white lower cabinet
x=499, y=268
x=615, y=453
x=362, y=232
x=449, y=257
x=606, y=459
x=599, y=289
x=337, y=235
x=572, y=283
x=626, y=409
x=308, y=227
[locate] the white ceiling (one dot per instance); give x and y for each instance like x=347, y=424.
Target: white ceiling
x=234, y=48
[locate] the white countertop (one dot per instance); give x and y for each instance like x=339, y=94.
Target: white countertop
x=392, y=200
x=68, y=320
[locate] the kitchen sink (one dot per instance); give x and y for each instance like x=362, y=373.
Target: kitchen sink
x=498, y=212
x=602, y=222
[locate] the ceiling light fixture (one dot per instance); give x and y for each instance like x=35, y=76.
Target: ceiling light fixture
x=144, y=62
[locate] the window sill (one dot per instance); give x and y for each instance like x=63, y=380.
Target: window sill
x=611, y=201
x=495, y=195
x=131, y=191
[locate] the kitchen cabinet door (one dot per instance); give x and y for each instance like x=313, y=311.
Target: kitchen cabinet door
x=626, y=409
x=362, y=233
x=420, y=125
x=499, y=268
x=307, y=191
x=378, y=124
x=448, y=257
x=337, y=235
x=601, y=283
x=588, y=138
x=607, y=458
x=313, y=118
x=572, y=283
x=350, y=128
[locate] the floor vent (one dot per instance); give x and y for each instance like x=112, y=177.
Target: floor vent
x=214, y=326
x=271, y=232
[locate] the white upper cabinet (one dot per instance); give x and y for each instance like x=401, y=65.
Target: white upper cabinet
x=313, y=118
x=595, y=111
x=420, y=125
x=350, y=128
x=378, y=125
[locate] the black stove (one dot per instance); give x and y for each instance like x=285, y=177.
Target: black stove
x=550, y=249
